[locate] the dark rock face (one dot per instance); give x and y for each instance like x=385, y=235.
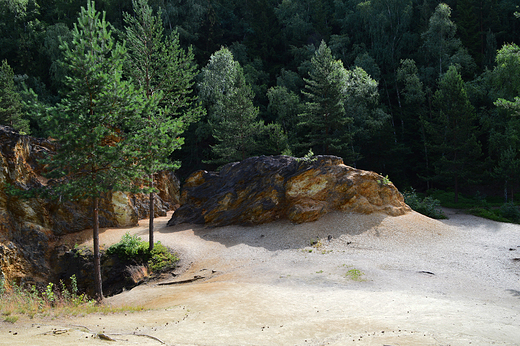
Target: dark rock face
x=116, y=275
x=263, y=189
x=28, y=227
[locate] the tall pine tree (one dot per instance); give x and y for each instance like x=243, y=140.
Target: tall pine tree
x=166, y=73
x=10, y=101
x=95, y=123
x=453, y=133
x=324, y=119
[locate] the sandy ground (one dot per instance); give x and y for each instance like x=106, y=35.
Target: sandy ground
x=421, y=282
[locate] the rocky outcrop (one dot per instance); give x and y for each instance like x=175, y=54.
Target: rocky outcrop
x=116, y=275
x=263, y=189
x=28, y=227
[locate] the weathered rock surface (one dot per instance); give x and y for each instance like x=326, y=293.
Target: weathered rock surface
x=28, y=227
x=263, y=189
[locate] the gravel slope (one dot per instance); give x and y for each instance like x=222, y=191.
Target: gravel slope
x=421, y=282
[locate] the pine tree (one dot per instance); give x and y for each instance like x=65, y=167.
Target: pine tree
x=10, y=101
x=95, y=123
x=507, y=169
x=504, y=139
x=324, y=119
x=469, y=28
x=453, y=133
x=165, y=72
x=362, y=103
x=414, y=110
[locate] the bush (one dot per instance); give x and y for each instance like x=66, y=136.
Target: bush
x=161, y=258
x=487, y=213
x=133, y=249
x=510, y=211
x=130, y=248
x=428, y=206
x=447, y=199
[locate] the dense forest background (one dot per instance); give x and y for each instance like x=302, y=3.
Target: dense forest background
x=423, y=91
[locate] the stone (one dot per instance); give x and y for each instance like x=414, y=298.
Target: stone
x=116, y=275
x=28, y=227
x=266, y=188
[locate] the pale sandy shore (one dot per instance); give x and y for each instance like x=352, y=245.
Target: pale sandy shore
x=421, y=282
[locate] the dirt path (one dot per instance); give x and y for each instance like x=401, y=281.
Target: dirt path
x=369, y=280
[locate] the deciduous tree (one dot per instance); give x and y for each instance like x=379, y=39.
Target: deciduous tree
x=232, y=117
x=507, y=78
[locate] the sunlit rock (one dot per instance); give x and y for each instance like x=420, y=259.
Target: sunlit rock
x=264, y=189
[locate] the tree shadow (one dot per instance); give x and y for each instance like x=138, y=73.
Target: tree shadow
x=460, y=218
x=282, y=234
x=515, y=293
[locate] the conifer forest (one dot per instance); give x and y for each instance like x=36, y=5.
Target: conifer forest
x=422, y=91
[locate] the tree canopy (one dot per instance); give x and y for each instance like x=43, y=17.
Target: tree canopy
x=387, y=66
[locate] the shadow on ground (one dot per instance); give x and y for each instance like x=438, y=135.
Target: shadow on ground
x=283, y=234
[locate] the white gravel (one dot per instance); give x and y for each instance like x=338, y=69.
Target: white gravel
x=423, y=282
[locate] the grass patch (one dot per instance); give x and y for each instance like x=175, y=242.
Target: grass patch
x=11, y=319
x=316, y=243
x=53, y=301
x=355, y=275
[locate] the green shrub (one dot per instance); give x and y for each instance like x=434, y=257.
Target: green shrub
x=491, y=214
x=510, y=211
x=133, y=249
x=355, y=275
x=447, y=199
x=428, y=206
x=129, y=248
x=161, y=258
x=2, y=285
x=384, y=181
x=309, y=157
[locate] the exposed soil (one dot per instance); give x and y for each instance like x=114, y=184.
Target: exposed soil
x=367, y=280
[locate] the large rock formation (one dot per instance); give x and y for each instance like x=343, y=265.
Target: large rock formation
x=28, y=227
x=263, y=189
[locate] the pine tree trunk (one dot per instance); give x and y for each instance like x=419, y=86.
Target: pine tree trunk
x=151, y=211
x=98, y=283
x=456, y=189
x=505, y=191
